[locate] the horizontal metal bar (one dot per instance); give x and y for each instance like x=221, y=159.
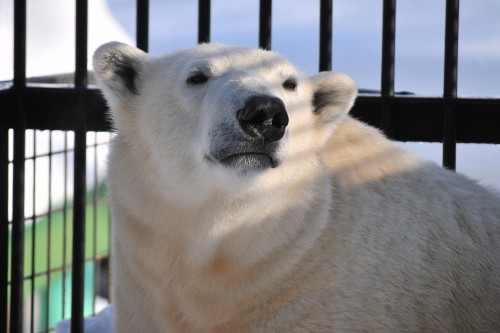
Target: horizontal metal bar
x=421, y=118
x=54, y=109
x=414, y=118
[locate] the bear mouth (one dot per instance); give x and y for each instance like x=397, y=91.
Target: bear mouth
x=247, y=161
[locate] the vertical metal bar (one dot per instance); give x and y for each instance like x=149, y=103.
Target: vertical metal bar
x=17, y=259
x=204, y=21
x=388, y=56
x=450, y=83
x=265, y=24
x=325, y=35
x=33, y=233
x=4, y=226
x=388, y=47
x=142, y=25
x=94, y=220
x=78, y=276
x=65, y=225
x=49, y=238
x=81, y=45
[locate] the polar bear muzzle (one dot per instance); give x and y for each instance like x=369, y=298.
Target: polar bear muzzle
x=253, y=141
x=264, y=117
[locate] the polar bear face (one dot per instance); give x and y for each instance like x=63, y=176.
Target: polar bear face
x=219, y=117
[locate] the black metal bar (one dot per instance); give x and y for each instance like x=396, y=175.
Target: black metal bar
x=449, y=138
x=17, y=249
x=4, y=226
x=54, y=109
x=325, y=35
x=421, y=119
x=34, y=231
x=388, y=47
x=94, y=220
x=17, y=246
x=388, y=57
x=142, y=25
x=81, y=45
x=450, y=83
x=49, y=237
x=265, y=24
x=78, y=225
x=204, y=21
x=65, y=225
x=19, y=44
x=79, y=200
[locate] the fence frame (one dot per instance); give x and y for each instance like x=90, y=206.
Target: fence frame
x=448, y=119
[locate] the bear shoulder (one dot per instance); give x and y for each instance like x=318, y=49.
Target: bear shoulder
x=357, y=154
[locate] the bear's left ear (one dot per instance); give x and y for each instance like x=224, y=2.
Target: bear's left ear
x=117, y=67
x=333, y=95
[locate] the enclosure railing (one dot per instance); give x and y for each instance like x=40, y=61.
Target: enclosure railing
x=23, y=106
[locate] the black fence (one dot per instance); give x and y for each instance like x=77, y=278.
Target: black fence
x=79, y=109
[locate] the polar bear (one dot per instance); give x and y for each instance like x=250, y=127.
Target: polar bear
x=245, y=199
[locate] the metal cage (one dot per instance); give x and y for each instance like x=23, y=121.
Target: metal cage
x=79, y=109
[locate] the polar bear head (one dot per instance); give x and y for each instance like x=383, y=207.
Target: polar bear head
x=219, y=117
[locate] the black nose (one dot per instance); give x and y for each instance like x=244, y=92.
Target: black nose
x=265, y=117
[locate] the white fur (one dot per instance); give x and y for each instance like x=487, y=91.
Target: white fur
x=347, y=234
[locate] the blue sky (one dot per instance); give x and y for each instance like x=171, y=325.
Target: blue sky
x=356, y=43
x=357, y=37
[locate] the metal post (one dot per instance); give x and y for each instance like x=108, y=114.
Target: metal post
x=204, y=21
x=142, y=25
x=325, y=35
x=78, y=276
x=388, y=56
x=17, y=259
x=450, y=84
x=265, y=24
x=4, y=226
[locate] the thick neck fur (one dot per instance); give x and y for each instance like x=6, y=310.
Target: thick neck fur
x=216, y=254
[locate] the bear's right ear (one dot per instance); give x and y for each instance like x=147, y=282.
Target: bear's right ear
x=117, y=67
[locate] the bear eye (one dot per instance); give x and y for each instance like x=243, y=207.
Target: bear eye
x=197, y=78
x=290, y=84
